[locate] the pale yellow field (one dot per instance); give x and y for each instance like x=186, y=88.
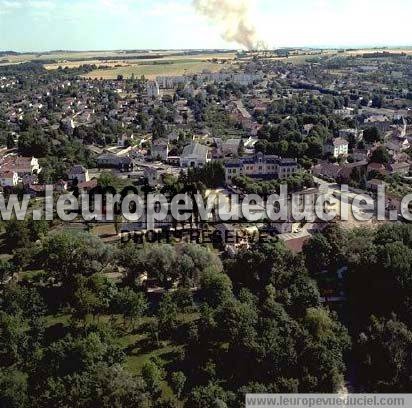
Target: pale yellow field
x=76, y=55
x=173, y=64
x=302, y=58
x=76, y=64
x=89, y=56
x=407, y=51
x=169, y=64
x=112, y=63
x=152, y=71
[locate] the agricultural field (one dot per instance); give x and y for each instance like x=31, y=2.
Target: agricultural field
x=302, y=57
x=152, y=70
x=128, y=63
x=166, y=62
x=128, y=59
x=76, y=58
x=406, y=50
x=78, y=55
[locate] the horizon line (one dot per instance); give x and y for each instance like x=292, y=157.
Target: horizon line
x=304, y=47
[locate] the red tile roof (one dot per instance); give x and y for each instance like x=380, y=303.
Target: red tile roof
x=296, y=245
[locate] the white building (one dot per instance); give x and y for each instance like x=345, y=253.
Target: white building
x=169, y=82
x=344, y=112
x=260, y=167
x=195, y=155
x=9, y=179
x=337, y=147
x=152, y=89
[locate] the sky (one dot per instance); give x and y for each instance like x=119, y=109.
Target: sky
x=43, y=25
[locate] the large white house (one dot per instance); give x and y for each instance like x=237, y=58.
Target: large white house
x=260, y=167
x=152, y=89
x=337, y=147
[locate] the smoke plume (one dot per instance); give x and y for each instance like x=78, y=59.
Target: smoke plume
x=233, y=16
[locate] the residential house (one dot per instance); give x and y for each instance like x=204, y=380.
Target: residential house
x=360, y=154
x=337, y=147
x=399, y=168
x=239, y=114
x=28, y=179
x=195, y=155
x=235, y=238
x=79, y=173
x=231, y=147
x=307, y=129
x=87, y=186
x=21, y=165
x=254, y=128
x=173, y=136
x=295, y=242
x=111, y=161
x=160, y=150
x=374, y=184
x=377, y=167
x=344, y=112
x=124, y=140
x=327, y=170
x=9, y=179
x=347, y=171
x=381, y=122
x=397, y=145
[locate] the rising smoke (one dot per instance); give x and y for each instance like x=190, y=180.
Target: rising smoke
x=233, y=16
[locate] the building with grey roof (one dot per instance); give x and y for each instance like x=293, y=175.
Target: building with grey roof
x=260, y=166
x=195, y=155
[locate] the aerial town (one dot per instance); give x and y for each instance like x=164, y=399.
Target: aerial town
x=332, y=120
x=314, y=306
